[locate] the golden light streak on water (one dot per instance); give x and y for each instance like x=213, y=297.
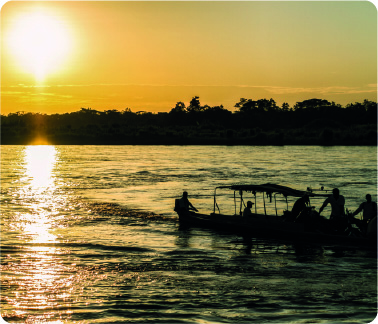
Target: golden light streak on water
x=38, y=192
x=42, y=283
x=40, y=161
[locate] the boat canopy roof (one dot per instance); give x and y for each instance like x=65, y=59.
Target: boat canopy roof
x=273, y=188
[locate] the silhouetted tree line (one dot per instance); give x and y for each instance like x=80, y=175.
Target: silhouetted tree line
x=254, y=122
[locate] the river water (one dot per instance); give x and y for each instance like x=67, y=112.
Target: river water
x=88, y=235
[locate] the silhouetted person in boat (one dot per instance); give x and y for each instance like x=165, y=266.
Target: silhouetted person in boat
x=185, y=204
x=337, y=218
x=369, y=209
x=300, y=208
x=247, y=210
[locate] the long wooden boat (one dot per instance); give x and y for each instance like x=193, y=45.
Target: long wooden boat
x=313, y=230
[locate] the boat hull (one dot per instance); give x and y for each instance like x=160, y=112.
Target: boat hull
x=270, y=227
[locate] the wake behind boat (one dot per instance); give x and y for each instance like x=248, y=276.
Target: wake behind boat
x=302, y=223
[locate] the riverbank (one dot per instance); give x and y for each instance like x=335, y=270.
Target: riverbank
x=311, y=122
x=193, y=136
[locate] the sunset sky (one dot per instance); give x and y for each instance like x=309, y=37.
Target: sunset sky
x=60, y=56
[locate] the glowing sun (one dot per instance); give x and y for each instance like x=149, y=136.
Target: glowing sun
x=40, y=43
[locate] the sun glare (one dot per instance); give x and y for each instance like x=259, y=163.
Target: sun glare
x=39, y=42
x=40, y=161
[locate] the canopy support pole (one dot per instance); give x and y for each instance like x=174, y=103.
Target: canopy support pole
x=235, y=200
x=215, y=201
x=264, y=203
x=215, y=191
x=275, y=203
x=241, y=202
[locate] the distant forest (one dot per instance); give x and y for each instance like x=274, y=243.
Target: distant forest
x=260, y=122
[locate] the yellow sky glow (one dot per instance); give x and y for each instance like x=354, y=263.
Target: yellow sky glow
x=60, y=56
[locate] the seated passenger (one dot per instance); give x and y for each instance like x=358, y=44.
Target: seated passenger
x=299, y=206
x=247, y=210
x=185, y=204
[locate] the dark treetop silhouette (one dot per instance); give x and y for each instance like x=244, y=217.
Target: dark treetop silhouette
x=254, y=122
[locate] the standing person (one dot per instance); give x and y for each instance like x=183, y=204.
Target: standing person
x=337, y=202
x=185, y=204
x=369, y=209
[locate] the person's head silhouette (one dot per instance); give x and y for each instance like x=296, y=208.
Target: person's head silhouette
x=336, y=193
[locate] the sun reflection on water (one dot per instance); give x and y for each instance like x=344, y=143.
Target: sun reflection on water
x=39, y=191
x=37, y=277
x=40, y=161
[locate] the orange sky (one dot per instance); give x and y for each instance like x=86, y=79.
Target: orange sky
x=60, y=56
